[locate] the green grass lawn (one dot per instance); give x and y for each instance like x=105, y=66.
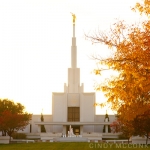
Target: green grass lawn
x=70, y=146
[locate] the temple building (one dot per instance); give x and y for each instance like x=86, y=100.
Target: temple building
x=73, y=106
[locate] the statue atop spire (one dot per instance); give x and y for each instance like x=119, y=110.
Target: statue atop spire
x=74, y=18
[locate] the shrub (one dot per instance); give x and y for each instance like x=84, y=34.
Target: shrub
x=19, y=136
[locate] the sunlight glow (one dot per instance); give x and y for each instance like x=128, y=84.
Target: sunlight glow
x=35, y=46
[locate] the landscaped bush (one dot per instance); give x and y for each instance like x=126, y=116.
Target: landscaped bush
x=19, y=136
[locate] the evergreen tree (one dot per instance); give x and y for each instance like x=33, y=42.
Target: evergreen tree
x=42, y=126
x=104, y=128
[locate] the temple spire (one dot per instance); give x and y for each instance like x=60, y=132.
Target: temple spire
x=74, y=19
x=73, y=47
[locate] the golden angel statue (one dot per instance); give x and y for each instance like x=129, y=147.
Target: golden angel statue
x=74, y=18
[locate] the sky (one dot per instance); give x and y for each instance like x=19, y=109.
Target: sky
x=35, y=46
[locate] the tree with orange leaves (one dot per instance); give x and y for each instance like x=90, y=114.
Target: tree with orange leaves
x=12, y=117
x=130, y=47
x=11, y=122
x=142, y=125
x=126, y=128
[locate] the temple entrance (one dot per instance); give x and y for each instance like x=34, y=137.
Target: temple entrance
x=76, y=129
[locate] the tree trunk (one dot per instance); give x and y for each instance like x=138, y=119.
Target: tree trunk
x=10, y=134
x=128, y=140
x=9, y=139
x=3, y=133
x=147, y=136
x=146, y=139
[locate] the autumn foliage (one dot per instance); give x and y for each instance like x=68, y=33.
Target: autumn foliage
x=129, y=91
x=143, y=7
x=126, y=128
x=140, y=125
x=12, y=117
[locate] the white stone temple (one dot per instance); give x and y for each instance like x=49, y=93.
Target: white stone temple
x=72, y=107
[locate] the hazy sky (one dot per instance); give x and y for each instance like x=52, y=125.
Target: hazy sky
x=35, y=45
